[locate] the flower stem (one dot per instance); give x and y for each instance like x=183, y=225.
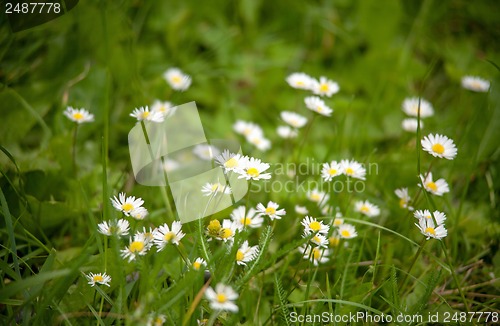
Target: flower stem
x=419, y=251
x=73, y=153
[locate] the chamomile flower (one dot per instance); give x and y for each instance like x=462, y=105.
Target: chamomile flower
x=246, y=253
x=403, y=196
x=315, y=254
x=286, y=132
x=99, y=278
x=338, y=221
x=317, y=105
x=246, y=128
x=178, y=80
x=271, y=210
x=199, y=263
x=353, y=169
x=253, y=169
x=78, y=115
x=438, y=187
x=300, y=80
x=259, y=141
x=367, y=208
x=302, y=210
x=439, y=146
x=324, y=87
x=411, y=124
x=331, y=170
x=138, y=246
x=318, y=239
x=206, y=152
x=427, y=226
x=227, y=230
x=251, y=219
x=230, y=161
x=475, y=84
x=222, y=298
x=411, y=106
x=426, y=214
x=164, y=235
x=293, y=119
x=120, y=227
x=312, y=225
x=126, y=204
x=143, y=114
x=156, y=320
x=317, y=196
x=139, y=213
x=347, y=231
x=163, y=108
x=210, y=189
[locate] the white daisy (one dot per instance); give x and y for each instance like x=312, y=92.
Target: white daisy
x=411, y=105
x=286, y=132
x=318, y=239
x=206, y=152
x=300, y=80
x=121, y=227
x=99, y=278
x=334, y=241
x=259, y=141
x=302, y=210
x=438, y=187
x=439, y=216
x=126, y=204
x=312, y=225
x=324, y=87
x=428, y=227
x=411, y=124
x=251, y=219
x=227, y=230
x=317, y=196
x=246, y=253
x=338, y=221
x=315, y=254
x=138, y=246
x=139, y=213
x=156, y=320
x=293, y=119
x=78, y=115
x=475, y=84
x=230, y=161
x=210, y=189
x=253, y=169
x=164, y=235
x=178, y=80
x=353, y=169
x=222, y=298
x=403, y=196
x=143, y=114
x=347, y=231
x=199, y=263
x=331, y=170
x=317, y=105
x=367, y=208
x=439, y=146
x=271, y=210
x=164, y=108
x=247, y=128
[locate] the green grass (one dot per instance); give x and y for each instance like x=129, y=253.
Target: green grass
x=109, y=57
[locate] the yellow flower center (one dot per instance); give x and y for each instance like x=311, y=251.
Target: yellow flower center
x=136, y=246
x=97, y=278
x=176, y=79
x=323, y=87
x=432, y=186
x=270, y=211
x=240, y=255
x=315, y=197
x=319, y=108
x=428, y=216
x=430, y=230
x=158, y=321
x=334, y=241
x=364, y=209
x=316, y=239
x=225, y=233
x=402, y=202
x=221, y=298
x=253, y=172
x=315, y=225
x=337, y=222
x=438, y=148
x=332, y=171
x=145, y=114
x=316, y=253
x=246, y=221
x=169, y=236
x=299, y=83
x=214, y=227
x=196, y=265
x=231, y=163
x=77, y=116
x=349, y=171
x=215, y=186
x=127, y=207
x=247, y=131
x=345, y=233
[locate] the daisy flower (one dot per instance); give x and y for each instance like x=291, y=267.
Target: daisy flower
x=318, y=239
x=138, y=246
x=475, y=84
x=312, y=225
x=271, y=210
x=427, y=226
x=164, y=235
x=210, y=189
x=438, y=187
x=317, y=105
x=251, y=219
x=143, y=114
x=426, y=214
x=317, y=196
x=163, y=108
x=347, y=231
x=333, y=241
x=222, y=298
x=178, y=80
x=230, y=161
x=439, y=146
x=324, y=87
x=156, y=320
x=286, y=132
x=367, y=208
x=139, y=213
x=198, y=263
x=315, y=254
x=353, y=169
x=338, y=221
x=259, y=141
x=411, y=124
x=121, y=227
x=300, y=80
x=78, y=115
x=99, y=278
x=302, y=210
x=126, y=204
x=253, y=170
x=246, y=253
x=331, y=170
x=247, y=128
x=293, y=119
x=206, y=152
x=410, y=107
x=403, y=196
x=227, y=230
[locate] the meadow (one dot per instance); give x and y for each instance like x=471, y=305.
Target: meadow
x=369, y=137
